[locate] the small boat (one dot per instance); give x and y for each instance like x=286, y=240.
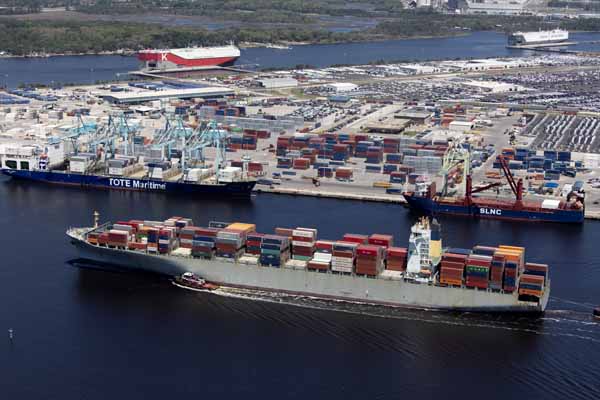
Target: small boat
x=189, y=280
x=596, y=312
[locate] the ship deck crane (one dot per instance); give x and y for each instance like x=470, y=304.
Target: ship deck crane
x=515, y=186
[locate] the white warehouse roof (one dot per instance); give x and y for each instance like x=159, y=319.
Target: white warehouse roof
x=138, y=97
x=343, y=86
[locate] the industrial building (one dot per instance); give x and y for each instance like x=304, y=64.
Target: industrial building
x=144, y=96
x=416, y=117
x=276, y=83
x=460, y=126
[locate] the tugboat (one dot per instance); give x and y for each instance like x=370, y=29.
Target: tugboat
x=189, y=280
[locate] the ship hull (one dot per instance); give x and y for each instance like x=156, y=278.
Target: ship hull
x=235, y=189
x=178, y=62
x=430, y=207
x=351, y=288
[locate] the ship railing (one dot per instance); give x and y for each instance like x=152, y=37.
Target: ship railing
x=99, y=228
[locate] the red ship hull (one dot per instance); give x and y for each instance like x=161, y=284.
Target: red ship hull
x=183, y=62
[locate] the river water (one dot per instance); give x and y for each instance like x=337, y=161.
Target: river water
x=81, y=333
x=91, y=69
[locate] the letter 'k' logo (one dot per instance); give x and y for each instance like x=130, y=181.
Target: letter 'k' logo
x=163, y=57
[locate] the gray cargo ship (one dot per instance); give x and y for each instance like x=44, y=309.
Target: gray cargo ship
x=418, y=286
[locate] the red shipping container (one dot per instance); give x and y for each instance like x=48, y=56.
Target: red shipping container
x=355, y=238
x=302, y=239
x=368, y=250
x=397, y=251
x=454, y=257
x=381, y=240
x=318, y=266
x=324, y=245
x=347, y=254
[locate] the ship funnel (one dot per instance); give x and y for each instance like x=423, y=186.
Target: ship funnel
x=435, y=244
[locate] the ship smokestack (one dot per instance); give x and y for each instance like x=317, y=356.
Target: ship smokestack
x=435, y=243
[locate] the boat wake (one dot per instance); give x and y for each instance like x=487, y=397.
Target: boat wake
x=555, y=322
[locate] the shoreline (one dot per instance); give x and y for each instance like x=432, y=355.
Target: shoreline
x=241, y=45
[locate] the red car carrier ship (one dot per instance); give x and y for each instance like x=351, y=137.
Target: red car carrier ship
x=189, y=57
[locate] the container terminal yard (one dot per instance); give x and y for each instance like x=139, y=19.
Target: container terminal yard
x=370, y=132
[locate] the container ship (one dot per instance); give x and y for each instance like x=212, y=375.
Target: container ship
x=426, y=201
x=555, y=36
x=127, y=166
x=189, y=57
x=363, y=269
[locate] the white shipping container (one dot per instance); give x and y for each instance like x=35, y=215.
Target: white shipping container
x=182, y=252
x=341, y=259
x=342, y=264
x=249, y=259
x=115, y=171
x=338, y=268
x=322, y=257
x=156, y=173
x=550, y=204
x=77, y=166
x=303, y=244
x=295, y=264
x=303, y=233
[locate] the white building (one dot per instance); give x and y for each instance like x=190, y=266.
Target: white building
x=460, y=126
x=275, y=83
x=340, y=87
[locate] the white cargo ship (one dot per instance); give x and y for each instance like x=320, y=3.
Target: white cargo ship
x=538, y=38
x=417, y=286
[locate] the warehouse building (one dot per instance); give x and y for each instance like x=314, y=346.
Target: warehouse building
x=276, y=83
x=144, y=96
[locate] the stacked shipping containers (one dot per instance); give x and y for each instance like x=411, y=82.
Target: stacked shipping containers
x=253, y=243
x=396, y=258
x=321, y=260
x=533, y=280
x=274, y=250
x=452, y=268
x=477, y=271
x=369, y=259
x=204, y=242
x=303, y=243
x=343, y=256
